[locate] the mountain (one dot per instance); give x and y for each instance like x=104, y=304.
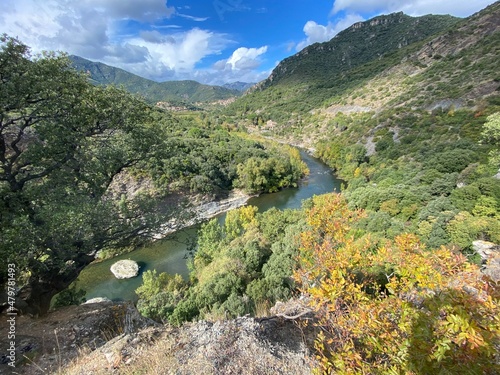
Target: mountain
x=169, y=91
x=323, y=71
x=239, y=86
x=357, y=45
x=408, y=128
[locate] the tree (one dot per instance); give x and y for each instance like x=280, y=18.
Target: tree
x=62, y=142
x=491, y=135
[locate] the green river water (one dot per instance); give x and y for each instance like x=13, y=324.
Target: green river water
x=169, y=255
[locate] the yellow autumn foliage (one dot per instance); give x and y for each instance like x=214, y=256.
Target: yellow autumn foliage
x=394, y=309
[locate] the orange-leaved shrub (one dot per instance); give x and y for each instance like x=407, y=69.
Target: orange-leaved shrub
x=396, y=308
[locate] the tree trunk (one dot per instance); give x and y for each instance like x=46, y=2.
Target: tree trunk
x=40, y=289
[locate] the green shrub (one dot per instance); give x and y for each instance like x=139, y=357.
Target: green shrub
x=69, y=296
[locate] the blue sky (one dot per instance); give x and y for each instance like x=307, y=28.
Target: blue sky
x=211, y=41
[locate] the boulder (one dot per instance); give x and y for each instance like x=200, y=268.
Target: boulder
x=492, y=269
x=486, y=249
x=490, y=253
x=125, y=269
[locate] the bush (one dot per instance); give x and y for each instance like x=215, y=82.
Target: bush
x=159, y=294
x=396, y=308
x=70, y=296
x=159, y=307
x=465, y=198
x=450, y=161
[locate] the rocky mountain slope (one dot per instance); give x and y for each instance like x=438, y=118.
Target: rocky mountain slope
x=389, y=61
x=357, y=45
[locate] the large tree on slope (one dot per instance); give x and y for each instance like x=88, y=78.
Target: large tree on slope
x=62, y=141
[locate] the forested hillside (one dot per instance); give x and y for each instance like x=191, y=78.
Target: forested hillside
x=405, y=130
x=153, y=92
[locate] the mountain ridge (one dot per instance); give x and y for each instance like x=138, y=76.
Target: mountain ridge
x=240, y=86
x=188, y=91
x=348, y=49
x=358, y=70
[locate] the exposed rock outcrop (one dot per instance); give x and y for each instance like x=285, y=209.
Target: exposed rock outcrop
x=490, y=254
x=97, y=300
x=240, y=346
x=43, y=345
x=107, y=337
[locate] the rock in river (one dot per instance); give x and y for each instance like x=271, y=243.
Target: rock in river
x=125, y=269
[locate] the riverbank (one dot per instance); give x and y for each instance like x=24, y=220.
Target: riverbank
x=170, y=254
x=206, y=210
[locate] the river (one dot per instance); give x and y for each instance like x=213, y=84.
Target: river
x=169, y=255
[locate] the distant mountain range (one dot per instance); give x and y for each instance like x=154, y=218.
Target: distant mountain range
x=239, y=86
x=169, y=91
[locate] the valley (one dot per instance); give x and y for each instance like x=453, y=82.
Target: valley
x=369, y=255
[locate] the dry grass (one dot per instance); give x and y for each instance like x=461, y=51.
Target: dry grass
x=240, y=346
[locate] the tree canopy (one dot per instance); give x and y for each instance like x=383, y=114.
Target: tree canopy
x=62, y=141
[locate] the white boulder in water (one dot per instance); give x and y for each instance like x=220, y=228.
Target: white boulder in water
x=125, y=269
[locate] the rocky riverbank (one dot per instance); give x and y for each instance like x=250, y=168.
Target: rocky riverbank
x=203, y=209
x=197, y=209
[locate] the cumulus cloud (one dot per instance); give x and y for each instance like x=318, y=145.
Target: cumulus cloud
x=87, y=27
x=246, y=58
x=179, y=52
x=98, y=30
x=411, y=7
x=144, y=10
x=320, y=33
x=242, y=59
x=240, y=66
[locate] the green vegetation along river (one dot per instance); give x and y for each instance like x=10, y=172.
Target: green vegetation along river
x=169, y=255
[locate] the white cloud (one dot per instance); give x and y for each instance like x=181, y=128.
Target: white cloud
x=240, y=66
x=242, y=59
x=178, y=52
x=319, y=33
x=289, y=46
x=246, y=58
x=94, y=29
x=192, y=18
x=85, y=27
x=411, y=7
